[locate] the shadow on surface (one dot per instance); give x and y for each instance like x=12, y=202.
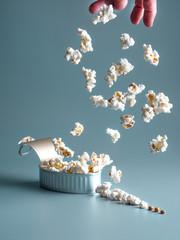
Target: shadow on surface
x=15, y=182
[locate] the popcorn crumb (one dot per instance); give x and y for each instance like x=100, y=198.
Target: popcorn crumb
x=150, y=55
x=127, y=121
x=86, y=43
x=126, y=41
x=77, y=129
x=143, y=204
x=159, y=144
x=115, y=135
x=104, y=15
x=118, y=69
x=74, y=56
x=115, y=175
x=90, y=78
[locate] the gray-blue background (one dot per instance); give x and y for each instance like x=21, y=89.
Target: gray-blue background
x=42, y=95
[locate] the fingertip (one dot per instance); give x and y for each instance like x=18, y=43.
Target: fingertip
x=120, y=4
x=136, y=15
x=95, y=7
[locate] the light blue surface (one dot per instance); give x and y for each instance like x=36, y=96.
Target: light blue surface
x=42, y=95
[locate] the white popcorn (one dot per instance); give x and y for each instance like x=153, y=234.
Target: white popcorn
x=135, y=89
x=163, y=104
x=119, y=195
x=77, y=129
x=90, y=78
x=74, y=56
x=159, y=102
x=104, y=189
x=117, y=101
x=114, y=195
x=86, y=43
x=115, y=174
x=115, y=135
x=61, y=149
x=143, y=204
x=133, y=200
x=99, y=101
x=130, y=99
x=159, y=144
x=147, y=113
x=118, y=69
x=99, y=162
x=127, y=121
x=126, y=41
x=150, y=55
x=104, y=15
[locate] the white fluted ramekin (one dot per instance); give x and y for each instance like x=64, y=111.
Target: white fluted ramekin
x=69, y=182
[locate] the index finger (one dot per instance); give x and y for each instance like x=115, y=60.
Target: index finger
x=150, y=10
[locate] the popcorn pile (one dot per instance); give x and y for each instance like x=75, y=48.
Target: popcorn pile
x=104, y=15
x=77, y=129
x=117, y=194
x=115, y=135
x=150, y=55
x=115, y=174
x=127, y=121
x=80, y=166
x=90, y=78
x=86, y=43
x=159, y=144
x=119, y=99
x=126, y=41
x=158, y=103
x=74, y=56
x=118, y=69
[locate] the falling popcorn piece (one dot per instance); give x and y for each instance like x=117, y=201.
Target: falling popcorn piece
x=77, y=129
x=135, y=89
x=74, y=56
x=150, y=55
x=127, y=121
x=118, y=69
x=99, y=162
x=86, y=43
x=159, y=144
x=104, y=15
x=115, y=174
x=61, y=149
x=117, y=101
x=147, y=113
x=90, y=78
x=99, y=101
x=115, y=135
x=126, y=41
x=159, y=102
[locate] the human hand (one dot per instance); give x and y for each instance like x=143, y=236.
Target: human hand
x=143, y=8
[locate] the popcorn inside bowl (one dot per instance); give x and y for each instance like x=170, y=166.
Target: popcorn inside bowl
x=84, y=164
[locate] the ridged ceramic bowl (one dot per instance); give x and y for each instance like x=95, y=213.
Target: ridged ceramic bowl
x=69, y=182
